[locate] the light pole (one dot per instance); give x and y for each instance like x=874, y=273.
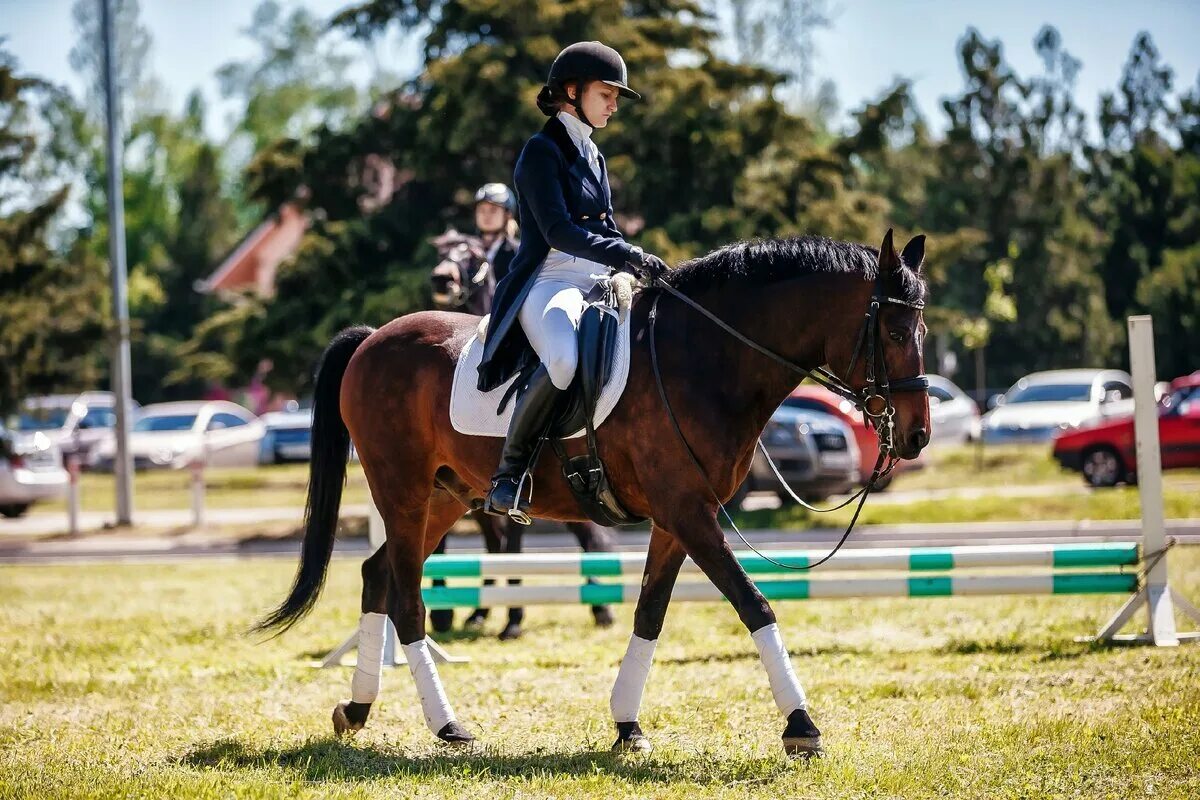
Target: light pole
x=123, y=463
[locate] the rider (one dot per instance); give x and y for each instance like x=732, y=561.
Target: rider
x=495, y=209
x=568, y=235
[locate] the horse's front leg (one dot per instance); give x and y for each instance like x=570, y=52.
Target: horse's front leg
x=703, y=539
x=594, y=538
x=663, y=560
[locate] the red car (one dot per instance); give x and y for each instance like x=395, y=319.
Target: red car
x=1106, y=451
x=818, y=398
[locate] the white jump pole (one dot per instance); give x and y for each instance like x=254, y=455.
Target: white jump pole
x=1156, y=593
x=392, y=656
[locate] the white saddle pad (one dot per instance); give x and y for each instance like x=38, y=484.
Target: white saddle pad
x=474, y=412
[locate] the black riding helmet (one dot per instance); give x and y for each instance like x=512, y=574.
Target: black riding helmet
x=589, y=61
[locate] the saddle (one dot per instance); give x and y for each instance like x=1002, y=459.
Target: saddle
x=597, y=342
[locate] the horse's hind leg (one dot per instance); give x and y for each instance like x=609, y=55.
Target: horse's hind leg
x=663, y=560
x=595, y=539
x=350, y=716
x=409, y=543
x=492, y=528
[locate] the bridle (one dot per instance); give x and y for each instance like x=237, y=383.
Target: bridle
x=874, y=400
x=454, y=281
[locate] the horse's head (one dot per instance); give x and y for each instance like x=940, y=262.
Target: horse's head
x=888, y=366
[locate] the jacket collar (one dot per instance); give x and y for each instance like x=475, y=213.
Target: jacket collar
x=575, y=161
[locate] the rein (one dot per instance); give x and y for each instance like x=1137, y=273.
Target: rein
x=874, y=401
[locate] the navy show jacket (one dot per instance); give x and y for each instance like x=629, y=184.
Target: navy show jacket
x=561, y=205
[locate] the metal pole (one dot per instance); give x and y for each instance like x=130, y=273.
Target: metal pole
x=73, y=494
x=123, y=463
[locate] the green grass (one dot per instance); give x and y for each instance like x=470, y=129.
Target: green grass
x=132, y=680
x=1181, y=500
x=948, y=466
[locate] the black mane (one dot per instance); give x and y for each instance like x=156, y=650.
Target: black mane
x=762, y=261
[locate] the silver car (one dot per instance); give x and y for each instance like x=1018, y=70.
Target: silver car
x=816, y=454
x=173, y=435
x=75, y=423
x=954, y=415
x=30, y=470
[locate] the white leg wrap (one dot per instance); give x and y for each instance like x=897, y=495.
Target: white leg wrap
x=789, y=695
x=626, y=696
x=364, y=686
x=434, y=704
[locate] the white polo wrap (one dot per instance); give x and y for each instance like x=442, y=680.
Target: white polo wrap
x=434, y=704
x=364, y=686
x=626, y=696
x=785, y=687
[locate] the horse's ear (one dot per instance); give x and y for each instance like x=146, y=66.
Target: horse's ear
x=888, y=260
x=914, y=253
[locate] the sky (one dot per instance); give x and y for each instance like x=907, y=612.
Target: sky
x=871, y=42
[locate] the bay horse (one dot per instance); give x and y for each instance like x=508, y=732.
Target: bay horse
x=809, y=301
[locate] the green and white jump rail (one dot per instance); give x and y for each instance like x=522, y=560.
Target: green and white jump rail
x=914, y=559
x=599, y=565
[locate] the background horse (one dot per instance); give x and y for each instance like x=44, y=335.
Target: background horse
x=389, y=391
x=463, y=280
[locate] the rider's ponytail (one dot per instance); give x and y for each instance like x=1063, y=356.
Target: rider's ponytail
x=549, y=99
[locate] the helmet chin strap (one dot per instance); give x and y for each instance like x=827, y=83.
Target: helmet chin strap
x=577, y=101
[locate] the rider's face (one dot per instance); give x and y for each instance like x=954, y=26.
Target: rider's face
x=599, y=102
x=489, y=217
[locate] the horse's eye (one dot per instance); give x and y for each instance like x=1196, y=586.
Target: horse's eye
x=896, y=336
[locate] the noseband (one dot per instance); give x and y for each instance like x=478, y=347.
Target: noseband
x=874, y=400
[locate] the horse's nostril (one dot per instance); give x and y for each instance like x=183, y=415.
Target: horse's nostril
x=918, y=438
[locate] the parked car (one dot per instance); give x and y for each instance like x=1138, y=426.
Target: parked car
x=953, y=414
x=811, y=397
x=30, y=470
x=1046, y=403
x=173, y=435
x=816, y=453
x=288, y=436
x=1106, y=451
x=75, y=423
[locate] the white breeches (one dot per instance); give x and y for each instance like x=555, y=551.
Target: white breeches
x=551, y=311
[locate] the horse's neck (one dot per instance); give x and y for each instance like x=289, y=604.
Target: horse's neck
x=738, y=382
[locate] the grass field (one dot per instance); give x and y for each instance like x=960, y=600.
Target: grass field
x=135, y=681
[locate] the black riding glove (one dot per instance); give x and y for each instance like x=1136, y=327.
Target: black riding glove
x=645, y=265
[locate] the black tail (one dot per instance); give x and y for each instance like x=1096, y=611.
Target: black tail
x=326, y=477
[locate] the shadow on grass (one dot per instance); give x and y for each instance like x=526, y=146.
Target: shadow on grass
x=333, y=759
x=1044, y=651
x=796, y=652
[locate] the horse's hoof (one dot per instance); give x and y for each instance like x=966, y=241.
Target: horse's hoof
x=341, y=723
x=634, y=744
x=510, y=632
x=802, y=737
x=442, y=620
x=455, y=734
x=603, y=616
x=630, y=739
x=804, y=747
x=474, y=622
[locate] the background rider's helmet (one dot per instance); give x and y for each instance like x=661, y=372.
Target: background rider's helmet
x=498, y=194
x=591, y=61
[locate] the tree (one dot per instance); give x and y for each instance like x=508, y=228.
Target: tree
x=53, y=326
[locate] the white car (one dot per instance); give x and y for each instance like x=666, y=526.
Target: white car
x=1045, y=403
x=954, y=416
x=30, y=470
x=173, y=435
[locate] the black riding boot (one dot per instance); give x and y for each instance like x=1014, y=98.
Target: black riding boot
x=532, y=416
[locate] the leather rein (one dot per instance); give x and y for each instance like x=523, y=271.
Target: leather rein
x=874, y=400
